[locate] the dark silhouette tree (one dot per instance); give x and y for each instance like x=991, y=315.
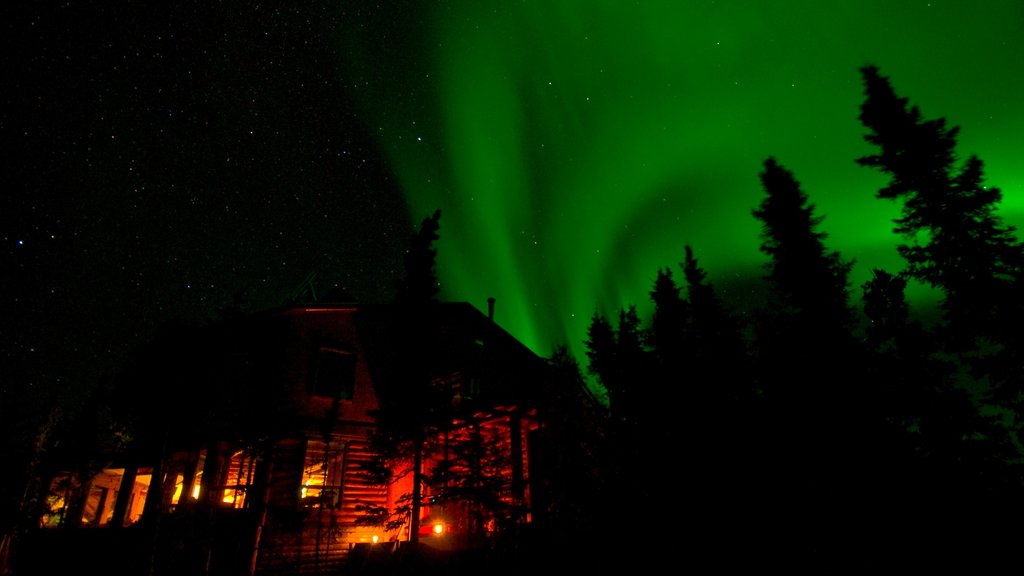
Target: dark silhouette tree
x=715, y=412
x=665, y=339
x=30, y=426
x=809, y=283
x=953, y=238
x=907, y=381
x=715, y=339
x=631, y=357
x=954, y=241
x=420, y=286
x=618, y=358
x=807, y=321
x=602, y=360
x=665, y=336
x=807, y=361
x=411, y=409
x=941, y=464
x=572, y=458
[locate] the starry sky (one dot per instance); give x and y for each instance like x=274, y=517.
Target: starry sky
x=167, y=162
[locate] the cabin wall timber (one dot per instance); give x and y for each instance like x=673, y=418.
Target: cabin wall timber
x=274, y=481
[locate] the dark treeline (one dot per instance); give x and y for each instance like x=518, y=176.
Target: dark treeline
x=827, y=427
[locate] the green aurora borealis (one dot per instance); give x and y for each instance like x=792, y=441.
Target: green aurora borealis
x=575, y=147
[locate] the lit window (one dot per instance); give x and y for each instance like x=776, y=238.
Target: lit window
x=321, y=476
x=240, y=474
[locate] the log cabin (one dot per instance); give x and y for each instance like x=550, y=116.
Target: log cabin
x=253, y=451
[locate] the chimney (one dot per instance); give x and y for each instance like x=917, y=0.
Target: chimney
x=490, y=308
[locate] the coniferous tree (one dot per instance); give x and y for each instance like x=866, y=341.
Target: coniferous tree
x=420, y=286
x=573, y=456
x=917, y=393
x=953, y=238
x=809, y=282
x=807, y=361
x=906, y=380
x=618, y=358
x=664, y=338
x=669, y=387
x=632, y=365
x=671, y=392
x=602, y=360
x=954, y=241
x=804, y=330
x=721, y=421
x=717, y=345
x=410, y=407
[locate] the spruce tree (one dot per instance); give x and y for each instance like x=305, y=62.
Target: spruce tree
x=618, y=358
x=718, y=402
x=807, y=363
x=602, y=361
x=807, y=281
x=632, y=365
x=952, y=237
x=954, y=240
x=668, y=322
x=715, y=338
x=804, y=330
x=410, y=407
x=670, y=396
x=572, y=458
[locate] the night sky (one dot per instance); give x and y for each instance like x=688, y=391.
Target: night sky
x=167, y=162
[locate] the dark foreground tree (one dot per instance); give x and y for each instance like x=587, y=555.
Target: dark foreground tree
x=967, y=425
x=807, y=365
x=668, y=323
x=574, y=456
x=952, y=237
x=618, y=358
x=411, y=409
x=715, y=340
x=804, y=331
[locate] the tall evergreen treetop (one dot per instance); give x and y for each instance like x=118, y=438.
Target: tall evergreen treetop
x=806, y=278
x=886, y=308
x=917, y=153
x=702, y=297
x=953, y=238
x=714, y=336
x=410, y=407
x=617, y=356
x=668, y=322
x=420, y=284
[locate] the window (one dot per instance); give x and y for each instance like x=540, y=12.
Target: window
x=97, y=500
x=335, y=373
x=240, y=472
x=322, y=475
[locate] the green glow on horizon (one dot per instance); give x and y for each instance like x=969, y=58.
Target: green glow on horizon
x=576, y=147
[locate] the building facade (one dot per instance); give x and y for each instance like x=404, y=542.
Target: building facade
x=256, y=451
